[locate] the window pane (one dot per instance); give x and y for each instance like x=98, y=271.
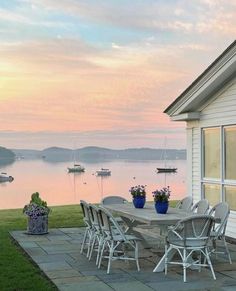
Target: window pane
x=212, y=193
x=230, y=196
x=230, y=156
x=211, y=141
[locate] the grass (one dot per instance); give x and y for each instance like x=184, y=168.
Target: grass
x=17, y=271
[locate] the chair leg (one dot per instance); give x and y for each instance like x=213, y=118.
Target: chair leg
x=209, y=263
x=102, y=250
x=184, y=264
x=84, y=239
x=136, y=255
x=92, y=247
x=111, y=251
x=100, y=242
x=166, y=259
x=89, y=245
x=227, y=249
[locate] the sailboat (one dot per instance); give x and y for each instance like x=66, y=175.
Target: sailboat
x=166, y=169
x=103, y=172
x=76, y=168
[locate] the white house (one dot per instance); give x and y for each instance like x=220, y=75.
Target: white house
x=208, y=106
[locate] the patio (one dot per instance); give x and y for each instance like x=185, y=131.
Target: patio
x=57, y=255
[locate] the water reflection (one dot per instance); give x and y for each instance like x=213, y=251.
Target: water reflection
x=58, y=187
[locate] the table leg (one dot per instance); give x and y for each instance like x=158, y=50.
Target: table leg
x=160, y=267
x=130, y=230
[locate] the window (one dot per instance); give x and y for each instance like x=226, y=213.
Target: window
x=219, y=165
x=212, y=193
x=211, y=137
x=230, y=196
x=230, y=156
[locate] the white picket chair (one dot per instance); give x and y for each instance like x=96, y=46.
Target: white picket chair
x=190, y=235
x=114, y=239
x=185, y=203
x=89, y=230
x=201, y=207
x=221, y=213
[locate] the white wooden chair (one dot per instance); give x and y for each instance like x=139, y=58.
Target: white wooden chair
x=185, y=203
x=113, y=200
x=97, y=235
x=201, y=207
x=89, y=230
x=221, y=213
x=113, y=238
x=190, y=235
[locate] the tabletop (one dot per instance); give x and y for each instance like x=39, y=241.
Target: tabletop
x=148, y=214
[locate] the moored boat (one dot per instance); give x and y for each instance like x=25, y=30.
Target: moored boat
x=76, y=169
x=103, y=172
x=5, y=178
x=166, y=170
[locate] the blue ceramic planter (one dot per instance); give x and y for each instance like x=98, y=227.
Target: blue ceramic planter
x=161, y=207
x=139, y=201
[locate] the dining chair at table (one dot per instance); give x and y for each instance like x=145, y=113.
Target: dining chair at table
x=113, y=239
x=201, y=207
x=185, y=203
x=113, y=200
x=88, y=234
x=221, y=213
x=97, y=235
x=190, y=235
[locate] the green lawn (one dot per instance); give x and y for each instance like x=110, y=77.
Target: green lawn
x=17, y=272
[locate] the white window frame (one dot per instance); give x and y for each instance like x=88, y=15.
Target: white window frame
x=221, y=181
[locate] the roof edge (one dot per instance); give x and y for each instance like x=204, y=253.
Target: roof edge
x=200, y=77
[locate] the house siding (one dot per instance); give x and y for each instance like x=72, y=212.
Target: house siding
x=221, y=111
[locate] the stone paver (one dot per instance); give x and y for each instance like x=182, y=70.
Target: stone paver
x=58, y=256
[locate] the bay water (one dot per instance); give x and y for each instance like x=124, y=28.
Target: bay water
x=58, y=187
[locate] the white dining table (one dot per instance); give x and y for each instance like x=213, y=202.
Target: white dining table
x=134, y=217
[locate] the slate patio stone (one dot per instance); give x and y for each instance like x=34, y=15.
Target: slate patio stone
x=61, y=265
x=83, y=286
x=58, y=255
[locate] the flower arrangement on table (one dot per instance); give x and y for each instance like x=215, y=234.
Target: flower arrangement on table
x=37, y=212
x=139, y=195
x=161, y=199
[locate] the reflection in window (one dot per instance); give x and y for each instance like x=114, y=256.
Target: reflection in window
x=211, y=139
x=230, y=156
x=212, y=193
x=230, y=196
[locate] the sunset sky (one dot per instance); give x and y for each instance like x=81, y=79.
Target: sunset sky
x=79, y=73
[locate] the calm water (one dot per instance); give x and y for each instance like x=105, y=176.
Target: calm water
x=58, y=187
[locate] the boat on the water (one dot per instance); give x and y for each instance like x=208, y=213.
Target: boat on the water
x=103, y=172
x=5, y=178
x=166, y=170
x=77, y=168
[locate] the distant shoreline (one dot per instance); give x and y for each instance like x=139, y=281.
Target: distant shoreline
x=92, y=153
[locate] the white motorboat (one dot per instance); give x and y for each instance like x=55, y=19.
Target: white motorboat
x=103, y=172
x=5, y=178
